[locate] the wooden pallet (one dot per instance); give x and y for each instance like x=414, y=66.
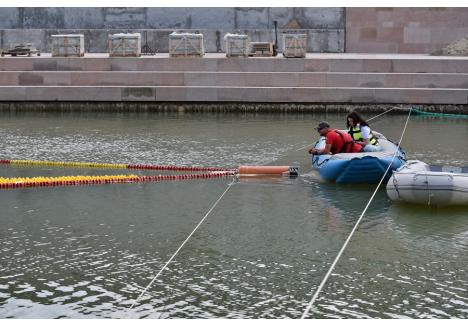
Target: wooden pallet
x=261, y=49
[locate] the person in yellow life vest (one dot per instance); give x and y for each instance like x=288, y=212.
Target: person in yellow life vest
x=361, y=133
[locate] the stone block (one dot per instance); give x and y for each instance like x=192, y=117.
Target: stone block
x=201, y=94
x=189, y=64
x=233, y=94
x=236, y=79
x=307, y=94
x=427, y=81
x=280, y=79
x=84, y=78
x=419, y=66
x=313, y=65
x=311, y=79
x=232, y=64
x=123, y=64
x=130, y=78
x=341, y=80
x=170, y=94
x=288, y=64
x=390, y=34
x=168, y=78
x=151, y=64
x=138, y=93
x=336, y=95
x=56, y=78
x=46, y=93
x=12, y=93
x=398, y=80
x=346, y=65
x=368, y=34
x=377, y=65
x=70, y=64
x=416, y=35
x=239, y=94
x=449, y=96
x=386, y=95
x=8, y=78
x=96, y=64
x=456, y=66
x=12, y=64
x=199, y=79
x=361, y=16
x=280, y=94
x=44, y=64
x=362, y=95
x=30, y=79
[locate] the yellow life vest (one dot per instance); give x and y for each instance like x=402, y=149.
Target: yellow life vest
x=355, y=133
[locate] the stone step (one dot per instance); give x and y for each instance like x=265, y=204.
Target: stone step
x=238, y=79
x=316, y=62
x=235, y=94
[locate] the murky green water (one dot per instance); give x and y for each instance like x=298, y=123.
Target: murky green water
x=88, y=251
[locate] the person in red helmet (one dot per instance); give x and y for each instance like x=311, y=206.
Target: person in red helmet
x=336, y=141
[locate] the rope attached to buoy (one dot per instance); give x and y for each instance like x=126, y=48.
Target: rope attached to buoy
x=335, y=261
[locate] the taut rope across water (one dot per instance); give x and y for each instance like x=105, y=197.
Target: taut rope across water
x=180, y=247
x=319, y=289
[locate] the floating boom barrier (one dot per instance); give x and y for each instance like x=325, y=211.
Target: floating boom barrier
x=6, y=183
x=242, y=170
x=113, y=166
x=210, y=173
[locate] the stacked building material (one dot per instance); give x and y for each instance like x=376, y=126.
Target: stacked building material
x=68, y=45
x=294, y=45
x=186, y=45
x=124, y=45
x=237, y=45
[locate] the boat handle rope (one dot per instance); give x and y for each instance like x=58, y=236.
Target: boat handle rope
x=327, y=275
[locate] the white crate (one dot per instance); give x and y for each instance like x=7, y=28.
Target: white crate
x=237, y=45
x=124, y=45
x=186, y=45
x=294, y=45
x=67, y=45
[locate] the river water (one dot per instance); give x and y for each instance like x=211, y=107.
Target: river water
x=89, y=251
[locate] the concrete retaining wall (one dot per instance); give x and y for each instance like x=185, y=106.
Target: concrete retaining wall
x=324, y=26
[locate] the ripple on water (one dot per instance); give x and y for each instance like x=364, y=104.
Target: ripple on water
x=260, y=254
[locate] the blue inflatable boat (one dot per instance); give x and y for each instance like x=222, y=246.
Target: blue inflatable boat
x=364, y=167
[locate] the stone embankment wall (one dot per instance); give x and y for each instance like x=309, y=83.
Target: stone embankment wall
x=318, y=78
x=324, y=26
x=404, y=30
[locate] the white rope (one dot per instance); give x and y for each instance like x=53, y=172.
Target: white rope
x=177, y=251
x=355, y=227
x=378, y=115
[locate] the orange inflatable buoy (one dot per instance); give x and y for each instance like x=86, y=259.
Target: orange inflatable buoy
x=267, y=170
